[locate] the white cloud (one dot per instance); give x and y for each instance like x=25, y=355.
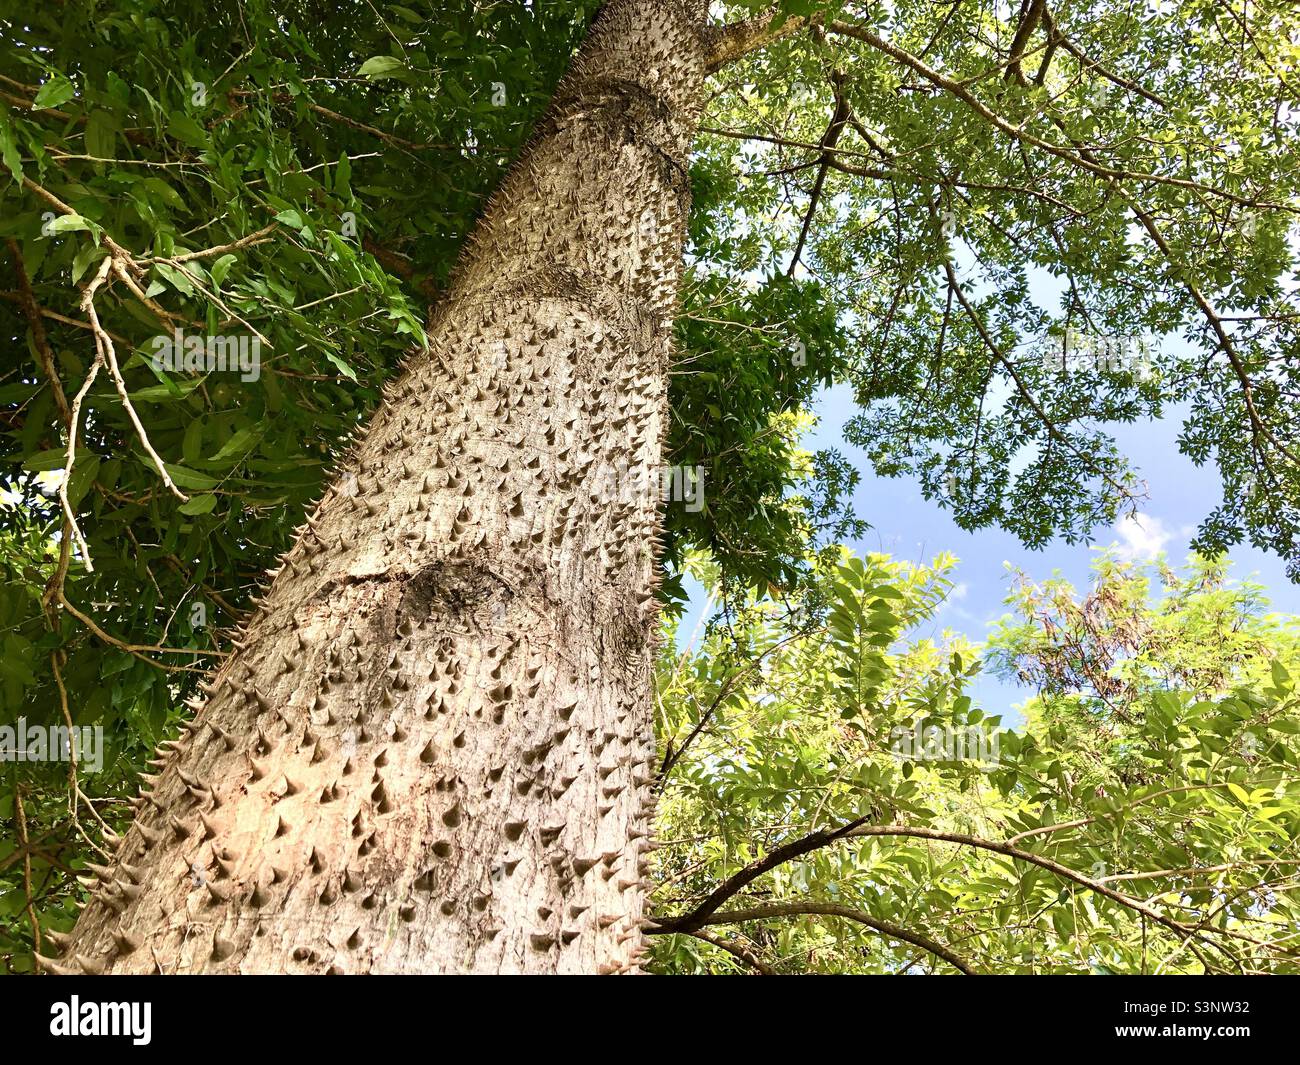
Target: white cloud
x=1141, y=536
x=959, y=592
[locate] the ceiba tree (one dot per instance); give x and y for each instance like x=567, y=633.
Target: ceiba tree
x=433, y=749
x=430, y=747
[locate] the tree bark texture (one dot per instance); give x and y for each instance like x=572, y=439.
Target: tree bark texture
x=432, y=750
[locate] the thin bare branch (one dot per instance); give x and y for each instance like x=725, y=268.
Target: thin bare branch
x=979, y=107
x=885, y=928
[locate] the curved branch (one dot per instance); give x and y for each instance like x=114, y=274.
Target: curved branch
x=698, y=917
x=1031, y=14
x=1025, y=393
x=838, y=120
x=858, y=828
x=1060, y=870
x=1258, y=427
x=736, y=951
x=32, y=311
x=790, y=909
x=673, y=756
x=1088, y=63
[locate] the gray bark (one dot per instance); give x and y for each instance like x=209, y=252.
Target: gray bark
x=433, y=750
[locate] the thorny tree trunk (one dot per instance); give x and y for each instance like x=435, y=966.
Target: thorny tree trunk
x=432, y=751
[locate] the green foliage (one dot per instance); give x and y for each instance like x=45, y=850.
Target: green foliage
x=1158, y=761
x=1134, y=174
x=750, y=367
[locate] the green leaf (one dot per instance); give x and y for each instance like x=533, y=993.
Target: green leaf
x=87, y=257
x=69, y=223
x=44, y=461
x=187, y=478
x=198, y=505
x=164, y=191
x=1281, y=678
x=382, y=66
x=101, y=134
x=186, y=130
x=166, y=393
x=83, y=477
x=340, y=365
x=221, y=268
x=291, y=218
x=9, y=153
x=343, y=178
x=239, y=443
x=58, y=90
x=175, y=278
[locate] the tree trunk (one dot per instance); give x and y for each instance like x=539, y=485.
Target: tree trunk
x=432, y=750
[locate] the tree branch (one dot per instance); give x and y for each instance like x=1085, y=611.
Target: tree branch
x=736, y=951
x=261, y=236
x=858, y=828
x=27, y=868
x=790, y=909
x=1031, y=14
x=698, y=917
x=962, y=93
x=32, y=312
x=839, y=118
x=740, y=38
x=1060, y=870
x=1026, y=394
x=1085, y=61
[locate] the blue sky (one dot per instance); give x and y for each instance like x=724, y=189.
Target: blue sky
x=908, y=526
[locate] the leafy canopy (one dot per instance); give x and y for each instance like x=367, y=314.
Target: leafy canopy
x=1143, y=819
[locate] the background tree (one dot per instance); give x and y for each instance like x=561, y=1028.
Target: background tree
x=836, y=802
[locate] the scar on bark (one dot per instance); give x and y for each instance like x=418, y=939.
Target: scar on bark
x=455, y=587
